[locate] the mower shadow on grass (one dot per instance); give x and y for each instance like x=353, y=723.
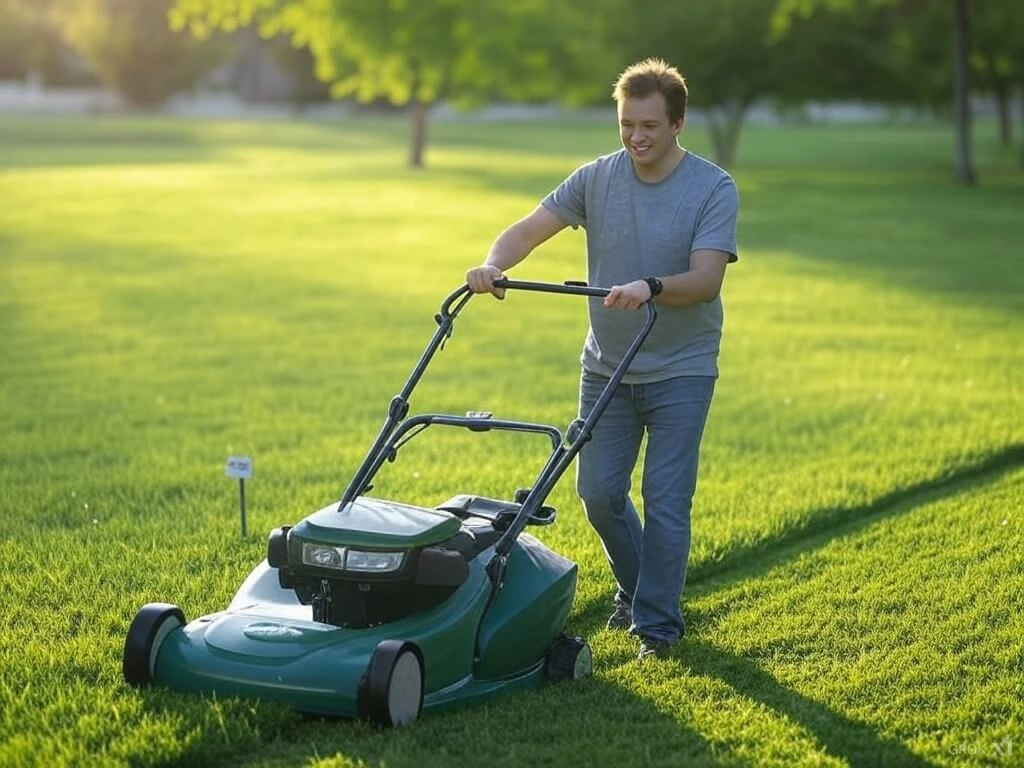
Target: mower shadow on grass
x=590, y=722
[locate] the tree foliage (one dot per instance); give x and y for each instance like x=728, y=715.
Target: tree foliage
x=723, y=48
x=929, y=49
x=997, y=60
x=735, y=53
x=417, y=52
x=29, y=40
x=131, y=47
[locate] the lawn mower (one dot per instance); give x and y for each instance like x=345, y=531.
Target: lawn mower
x=378, y=609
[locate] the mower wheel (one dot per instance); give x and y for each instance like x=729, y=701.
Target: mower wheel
x=277, y=547
x=391, y=691
x=147, y=632
x=568, y=658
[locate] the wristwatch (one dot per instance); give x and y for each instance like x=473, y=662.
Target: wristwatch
x=655, y=285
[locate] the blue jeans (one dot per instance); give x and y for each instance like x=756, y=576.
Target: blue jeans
x=648, y=560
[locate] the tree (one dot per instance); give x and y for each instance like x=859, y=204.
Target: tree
x=869, y=53
x=131, y=47
x=962, y=91
x=735, y=53
x=29, y=41
x=723, y=48
x=997, y=60
x=298, y=64
x=927, y=30
x=416, y=52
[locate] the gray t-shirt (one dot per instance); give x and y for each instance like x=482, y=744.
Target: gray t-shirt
x=636, y=229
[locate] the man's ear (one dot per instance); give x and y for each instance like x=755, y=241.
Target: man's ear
x=678, y=127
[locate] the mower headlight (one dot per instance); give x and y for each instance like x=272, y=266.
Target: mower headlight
x=373, y=562
x=323, y=556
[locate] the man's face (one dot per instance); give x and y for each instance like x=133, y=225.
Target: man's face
x=645, y=129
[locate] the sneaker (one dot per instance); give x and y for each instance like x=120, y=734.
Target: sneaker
x=652, y=647
x=621, y=618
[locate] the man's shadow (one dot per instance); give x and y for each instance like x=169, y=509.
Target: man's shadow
x=855, y=742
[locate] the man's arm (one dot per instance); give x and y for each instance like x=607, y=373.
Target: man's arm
x=702, y=283
x=511, y=247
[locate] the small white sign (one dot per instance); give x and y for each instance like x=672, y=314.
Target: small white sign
x=239, y=466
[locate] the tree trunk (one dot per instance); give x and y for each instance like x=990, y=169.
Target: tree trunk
x=419, y=112
x=725, y=131
x=1022, y=123
x=1002, y=94
x=964, y=172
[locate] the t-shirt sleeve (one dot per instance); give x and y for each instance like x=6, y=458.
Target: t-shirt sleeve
x=716, y=224
x=568, y=201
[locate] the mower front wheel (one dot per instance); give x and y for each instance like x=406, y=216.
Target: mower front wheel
x=148, y=630
x=391, y=691
x=568, y=658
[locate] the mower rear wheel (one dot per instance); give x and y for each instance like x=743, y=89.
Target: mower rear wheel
x=391, y=691
x=148, y=630
x=568, y=658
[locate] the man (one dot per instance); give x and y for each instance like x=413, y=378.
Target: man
x=661, y=226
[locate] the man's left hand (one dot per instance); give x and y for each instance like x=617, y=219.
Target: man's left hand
x=629, y=296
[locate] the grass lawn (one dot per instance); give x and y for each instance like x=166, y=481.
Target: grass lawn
x=173, y=292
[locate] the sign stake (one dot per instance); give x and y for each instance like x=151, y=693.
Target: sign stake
x=240, y=467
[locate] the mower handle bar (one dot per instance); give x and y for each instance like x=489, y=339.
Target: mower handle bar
x=461, y=295
x=577, y=434
x=575, y=287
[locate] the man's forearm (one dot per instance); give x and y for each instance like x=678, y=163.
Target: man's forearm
x=508, y=249
x=701, y=283
x=686, y=288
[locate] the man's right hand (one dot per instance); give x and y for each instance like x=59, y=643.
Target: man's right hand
x=481, y=280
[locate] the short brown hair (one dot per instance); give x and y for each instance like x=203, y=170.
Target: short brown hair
x=649, y=76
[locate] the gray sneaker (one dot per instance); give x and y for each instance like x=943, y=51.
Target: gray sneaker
x=621, y=618
x=653, y=648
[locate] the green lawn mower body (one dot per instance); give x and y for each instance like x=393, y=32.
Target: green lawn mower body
x=377, y=609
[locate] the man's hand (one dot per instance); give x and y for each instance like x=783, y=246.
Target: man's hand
x=481, y=280
x=629, y=296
